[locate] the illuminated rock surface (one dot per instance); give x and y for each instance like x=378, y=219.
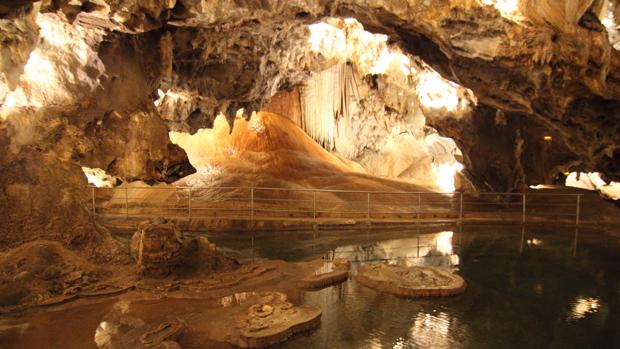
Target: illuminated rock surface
x=414, y=281
x=395, y=95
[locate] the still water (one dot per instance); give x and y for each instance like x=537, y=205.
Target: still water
x=534, y=287
x=527, y=288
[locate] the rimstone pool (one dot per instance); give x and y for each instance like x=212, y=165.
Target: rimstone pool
x=526, y=288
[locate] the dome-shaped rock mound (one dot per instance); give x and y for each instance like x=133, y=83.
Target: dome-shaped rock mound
x=415, y=281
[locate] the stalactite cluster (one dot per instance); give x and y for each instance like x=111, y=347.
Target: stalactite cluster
x=326, y=97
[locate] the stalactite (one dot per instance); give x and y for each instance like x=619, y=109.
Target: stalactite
x=326, y=97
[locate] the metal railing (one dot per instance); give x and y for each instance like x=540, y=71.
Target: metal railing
x=322, y=206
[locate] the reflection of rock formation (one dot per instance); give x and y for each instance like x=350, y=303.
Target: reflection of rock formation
x=424, y=250
x=433, y=330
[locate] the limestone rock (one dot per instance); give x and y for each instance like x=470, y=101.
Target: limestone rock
x=274, y=320
x=157, y=246
x=415, y=281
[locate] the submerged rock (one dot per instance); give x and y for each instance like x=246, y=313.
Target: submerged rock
x=413, y=281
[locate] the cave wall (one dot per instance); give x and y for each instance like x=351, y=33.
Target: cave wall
x=78, y=82
x=84, y=98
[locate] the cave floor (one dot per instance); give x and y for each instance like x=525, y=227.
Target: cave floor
x=536, y=287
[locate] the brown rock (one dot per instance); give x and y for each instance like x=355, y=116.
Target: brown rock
x=157, y=246
x=413, y=281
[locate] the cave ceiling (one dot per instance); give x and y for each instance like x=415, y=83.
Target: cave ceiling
x=536, y=67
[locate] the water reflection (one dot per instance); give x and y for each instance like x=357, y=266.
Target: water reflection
x=424, y=249
x=534, y=241
x=431, y=331
x=582, y=306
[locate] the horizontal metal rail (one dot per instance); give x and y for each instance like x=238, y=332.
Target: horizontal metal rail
x=315, y=205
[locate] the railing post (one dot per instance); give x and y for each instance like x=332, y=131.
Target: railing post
x=126, y=203
x=461, y=208
x=189, y=205
x=368, y=209
x=252, y=211
x=94, y=209
x=578, y=208
x=523, y=204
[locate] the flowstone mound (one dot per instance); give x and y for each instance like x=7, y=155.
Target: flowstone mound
x=328, y=273
x=273, y=320
x=43, y=272
x=413, y=281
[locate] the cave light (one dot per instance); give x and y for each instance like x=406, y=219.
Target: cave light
x=446, y=174
x=443, y=242
x=547, y=138
x=99, y=178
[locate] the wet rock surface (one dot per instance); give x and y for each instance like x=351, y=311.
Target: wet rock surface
x=415, y=281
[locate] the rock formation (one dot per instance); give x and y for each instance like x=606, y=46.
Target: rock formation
x=100, y=83
x=159, y=247
x=413, y=281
